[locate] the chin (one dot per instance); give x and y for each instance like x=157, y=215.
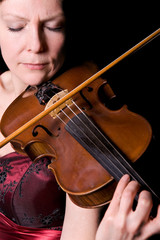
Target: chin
x=35, y=79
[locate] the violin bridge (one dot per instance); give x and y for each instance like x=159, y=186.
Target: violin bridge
x=54, y=99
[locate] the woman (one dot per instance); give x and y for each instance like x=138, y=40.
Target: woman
x=32, y=40
x=32, y=45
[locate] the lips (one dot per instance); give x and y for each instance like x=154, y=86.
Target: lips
x=35, y=66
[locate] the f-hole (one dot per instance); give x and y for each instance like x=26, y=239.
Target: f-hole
x=35, y=132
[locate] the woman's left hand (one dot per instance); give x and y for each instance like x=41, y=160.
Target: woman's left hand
x=120, y=221
x=151, y=228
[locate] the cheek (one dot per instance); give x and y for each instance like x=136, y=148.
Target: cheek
x=8, y=49
x=9, y=57
x=57, y=47
x=5, y=54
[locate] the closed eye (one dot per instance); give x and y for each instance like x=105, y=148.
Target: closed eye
x=15, y=29
x=55, y=29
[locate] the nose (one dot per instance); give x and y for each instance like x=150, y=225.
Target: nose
x=36, y=41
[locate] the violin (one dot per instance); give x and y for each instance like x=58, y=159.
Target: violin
x=89, y=145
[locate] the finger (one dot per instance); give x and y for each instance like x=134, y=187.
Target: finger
x=143, y=208
x=127, y=198
x=115, y=202
x=150, y=228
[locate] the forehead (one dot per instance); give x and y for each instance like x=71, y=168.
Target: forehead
x=29, y=8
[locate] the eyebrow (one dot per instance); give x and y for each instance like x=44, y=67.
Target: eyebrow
x=59, y=15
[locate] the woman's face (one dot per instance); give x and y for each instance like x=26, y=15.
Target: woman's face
x=32, y=38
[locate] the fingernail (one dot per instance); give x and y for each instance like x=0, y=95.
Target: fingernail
x=126, y=177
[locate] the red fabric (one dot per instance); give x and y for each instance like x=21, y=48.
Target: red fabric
x=12, y=231
x=29, y=193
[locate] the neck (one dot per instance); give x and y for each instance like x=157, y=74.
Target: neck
x=18, y=85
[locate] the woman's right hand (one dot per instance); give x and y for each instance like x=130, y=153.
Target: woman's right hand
x=120, y=221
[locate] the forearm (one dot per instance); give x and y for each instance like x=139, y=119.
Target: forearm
x=79, y=223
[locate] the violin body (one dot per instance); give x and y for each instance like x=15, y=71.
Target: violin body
x=76, y=170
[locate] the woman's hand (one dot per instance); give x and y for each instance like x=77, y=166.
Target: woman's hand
x=120, y=222
x=151, y=227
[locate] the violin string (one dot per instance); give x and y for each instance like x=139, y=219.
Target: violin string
x=118, y=170
x=88, y=119
x=106, y=147
x=115, y=149
x=126, y=162
x=86, y=137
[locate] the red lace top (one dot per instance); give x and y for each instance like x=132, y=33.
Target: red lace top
x=29, y=193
